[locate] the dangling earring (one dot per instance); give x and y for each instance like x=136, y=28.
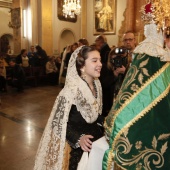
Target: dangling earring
x=83, y=75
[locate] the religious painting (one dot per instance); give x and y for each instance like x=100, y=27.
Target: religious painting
x=104, y=17
x=60, y=13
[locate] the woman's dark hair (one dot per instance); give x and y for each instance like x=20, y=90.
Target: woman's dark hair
x=82, y=56
x=83, y=41
x=50, y=58
x=38, y=48
x=23, y=51
x=74, y=45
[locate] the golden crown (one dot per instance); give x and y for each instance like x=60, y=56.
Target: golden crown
x=157, y=11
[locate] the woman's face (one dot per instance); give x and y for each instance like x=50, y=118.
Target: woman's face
x=74, y=47
x=25, y=53
x=93, y=65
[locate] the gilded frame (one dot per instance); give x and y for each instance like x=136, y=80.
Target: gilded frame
x=104, y=16
x=60, y=12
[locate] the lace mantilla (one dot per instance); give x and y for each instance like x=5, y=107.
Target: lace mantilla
x=153, y=44
x=51, y=148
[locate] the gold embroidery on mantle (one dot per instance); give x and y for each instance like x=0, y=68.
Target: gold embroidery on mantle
x=130, y=76
x=143, y=71
x=145, y=155
x=140, y=115
x=148, y=108
x=110, y=160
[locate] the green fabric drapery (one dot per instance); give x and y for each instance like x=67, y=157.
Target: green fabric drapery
x=138, y=123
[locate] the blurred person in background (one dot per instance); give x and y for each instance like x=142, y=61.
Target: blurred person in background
x=17, y=76
x=129, y=42
x=112, y=76
x=33, y=58
x=52, y=71
x=42, y=55
x=22, y=59
x=102, y=47
x=82, y=41
x=3, y=84
x=70, y=50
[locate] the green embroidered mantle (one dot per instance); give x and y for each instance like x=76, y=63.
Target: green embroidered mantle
x=138, y=123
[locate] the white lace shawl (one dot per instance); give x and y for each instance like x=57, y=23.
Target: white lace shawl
x=51, y=148
x=153, y=44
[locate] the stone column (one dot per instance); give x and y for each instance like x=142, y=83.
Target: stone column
x=83, y=19
x=47, y=28
x=17, y=31
x=35, y=22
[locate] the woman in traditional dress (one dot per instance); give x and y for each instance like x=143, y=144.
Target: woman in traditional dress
x=75, y=119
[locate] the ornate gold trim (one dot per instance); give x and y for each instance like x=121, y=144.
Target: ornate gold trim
x=147, y=109
x=110, y=159
x=119, y=167
x=142, y=154
x=135, y=94
x=140, y=115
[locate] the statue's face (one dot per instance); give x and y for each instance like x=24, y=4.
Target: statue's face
x=98, y=6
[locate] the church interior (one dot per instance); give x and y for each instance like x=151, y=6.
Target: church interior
x=26, y=23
